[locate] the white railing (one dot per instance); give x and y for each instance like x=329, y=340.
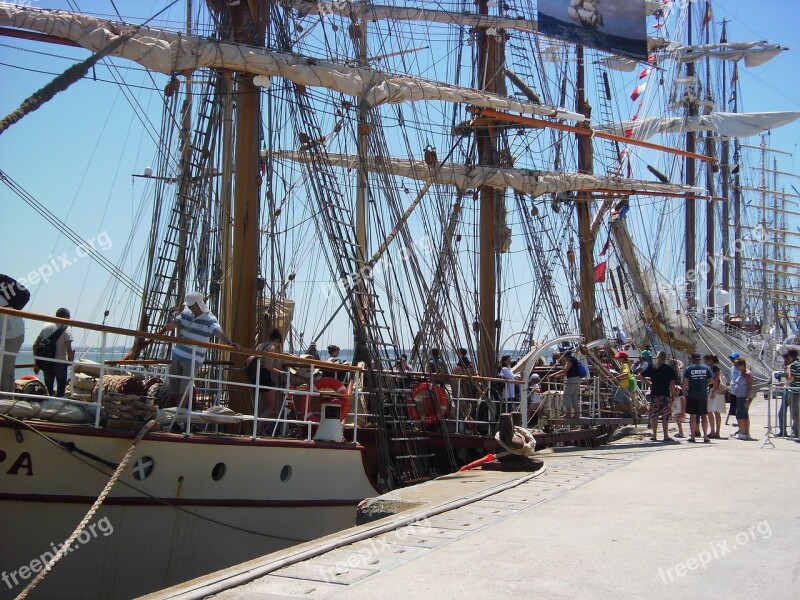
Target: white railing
x=207, y=384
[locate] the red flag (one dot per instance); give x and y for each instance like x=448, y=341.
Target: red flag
x=644, y=73
x=638, y=91
x=605, y=247
x=600, y=273
x=707, y=16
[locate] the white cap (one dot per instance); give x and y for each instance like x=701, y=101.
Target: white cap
x=196, y=298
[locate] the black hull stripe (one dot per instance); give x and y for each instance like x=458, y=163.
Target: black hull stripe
x=212, y=502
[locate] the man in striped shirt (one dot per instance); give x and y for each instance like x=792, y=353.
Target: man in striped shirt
x=195, y=324
x=793, y=391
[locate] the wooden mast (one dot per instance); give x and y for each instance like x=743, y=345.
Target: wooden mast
x=710, y=270
x=726, y=173
x=738, y=284
x=583, y=209
x=488, y=69
x=358, y=32
x=689, y=249
x=249, y=26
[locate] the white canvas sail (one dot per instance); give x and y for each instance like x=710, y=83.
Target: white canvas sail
x=529, y=182
x=754, y=54
x=376, y=12
x=733, y=125
x=168, y=52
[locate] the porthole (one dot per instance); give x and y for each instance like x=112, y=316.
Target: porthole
x=143, y=468
x=286, y=473
x=218, y=472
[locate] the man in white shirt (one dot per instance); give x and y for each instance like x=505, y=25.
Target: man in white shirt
x=14, y=336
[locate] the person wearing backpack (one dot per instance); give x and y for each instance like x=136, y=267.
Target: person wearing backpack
x=54, y=342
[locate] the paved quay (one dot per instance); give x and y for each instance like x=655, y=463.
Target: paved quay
x=633, y=519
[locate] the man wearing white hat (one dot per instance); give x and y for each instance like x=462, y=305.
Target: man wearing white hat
x=195, y=324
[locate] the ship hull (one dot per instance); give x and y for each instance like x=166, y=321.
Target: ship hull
x=183, y=507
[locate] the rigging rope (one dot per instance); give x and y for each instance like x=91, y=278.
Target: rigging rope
x=62, y=82
x=71, y=234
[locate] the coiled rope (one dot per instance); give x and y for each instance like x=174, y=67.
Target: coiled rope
x=100, y=499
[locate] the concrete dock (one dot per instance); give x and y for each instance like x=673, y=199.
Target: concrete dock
x=633, y=519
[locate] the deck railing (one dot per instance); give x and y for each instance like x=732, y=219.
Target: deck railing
x=212, y=385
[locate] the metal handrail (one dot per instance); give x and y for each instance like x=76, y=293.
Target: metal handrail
x=215, y=382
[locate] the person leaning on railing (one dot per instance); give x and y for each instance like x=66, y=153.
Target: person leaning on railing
x=195, y=324
x=571, y=401
x=56, y=372
x=270, y=375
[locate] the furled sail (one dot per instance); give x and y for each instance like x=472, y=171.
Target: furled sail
x=168, y=52
x=525, y=181
x=754, y=54
x=733, y=125
x=377, y=12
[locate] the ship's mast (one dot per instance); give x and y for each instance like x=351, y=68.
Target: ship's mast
x=726, y=173
x=583, y=209
x=764, y=225
x=689, y=249
x=738, y=284
x=490, y=65
x=710, y=267
x=249, y=22
x=358, y=32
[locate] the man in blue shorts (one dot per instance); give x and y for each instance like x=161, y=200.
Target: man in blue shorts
x=695, y=385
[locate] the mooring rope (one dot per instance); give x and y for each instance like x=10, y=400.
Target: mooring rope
x=100, y=499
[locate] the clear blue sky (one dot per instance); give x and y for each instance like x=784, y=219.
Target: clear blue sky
x=67, y=154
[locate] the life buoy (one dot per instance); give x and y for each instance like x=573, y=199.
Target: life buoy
x=311, y=405
x=428, y=400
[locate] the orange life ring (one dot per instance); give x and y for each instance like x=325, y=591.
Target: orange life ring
x=430, y=400
x=311, y=405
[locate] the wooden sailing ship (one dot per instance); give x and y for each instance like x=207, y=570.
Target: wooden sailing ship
x=308, y=183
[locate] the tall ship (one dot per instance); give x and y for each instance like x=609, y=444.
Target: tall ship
x=433, y=187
